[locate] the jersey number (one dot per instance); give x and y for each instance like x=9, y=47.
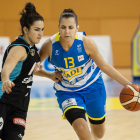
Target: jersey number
x=69, y=62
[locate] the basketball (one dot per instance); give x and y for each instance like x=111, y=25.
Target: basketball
x=130, y=97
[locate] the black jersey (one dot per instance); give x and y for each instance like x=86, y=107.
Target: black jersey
x=22, y=76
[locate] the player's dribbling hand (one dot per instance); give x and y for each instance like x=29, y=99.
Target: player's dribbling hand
x=7, y=86
x=56, y=76
x=37, y=67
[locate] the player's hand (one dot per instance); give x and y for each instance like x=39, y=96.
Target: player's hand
x=37, y=67
x=56, y=76
x=7, y=86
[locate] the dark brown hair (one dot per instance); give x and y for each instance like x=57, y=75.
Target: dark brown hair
x=67, y=13
x=29, y=16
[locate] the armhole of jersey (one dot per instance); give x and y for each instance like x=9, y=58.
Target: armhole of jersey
x=49, y=57
x=53, y=40
x=27, y=48
x=85, y=50
x=80, y=37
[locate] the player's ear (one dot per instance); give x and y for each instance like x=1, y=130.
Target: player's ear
x=77, y=28
x=25, y=29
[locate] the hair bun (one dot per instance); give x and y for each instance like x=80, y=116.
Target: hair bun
x=30, y=8
x=68, y=11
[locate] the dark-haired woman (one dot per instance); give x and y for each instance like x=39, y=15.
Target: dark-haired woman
x=17, y=75
x=82, y=89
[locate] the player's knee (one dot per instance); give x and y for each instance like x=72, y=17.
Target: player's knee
x=14, y=135
x=99, y=131
x=80, y=128
x=99, y=134
x=75, y=113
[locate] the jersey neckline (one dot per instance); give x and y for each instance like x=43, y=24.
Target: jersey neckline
x=71, y=48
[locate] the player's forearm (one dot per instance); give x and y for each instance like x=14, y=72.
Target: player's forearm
x=42, y=73
x=113, y=73
x=5, y=73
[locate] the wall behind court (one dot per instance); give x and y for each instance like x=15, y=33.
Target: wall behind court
x=117, y=18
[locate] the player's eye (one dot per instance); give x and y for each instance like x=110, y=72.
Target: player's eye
x=63, y=27
x=36, y=29
x=71, y=27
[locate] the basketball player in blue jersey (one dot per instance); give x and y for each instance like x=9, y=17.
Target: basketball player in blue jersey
x=81, y=89
x=17, y=75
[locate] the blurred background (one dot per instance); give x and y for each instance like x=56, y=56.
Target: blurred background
x=117, y=21
x=117, y=18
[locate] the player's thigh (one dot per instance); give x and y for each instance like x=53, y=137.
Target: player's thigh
x=69, y=100
x=73, y=114
x=95, y=101
x=4, y=108
x=15, y=124
x=13, y=135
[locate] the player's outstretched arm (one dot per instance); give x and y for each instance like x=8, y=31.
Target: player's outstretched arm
x=92, y=50
x=55, y=76
x=16, y=54
x=44, y=52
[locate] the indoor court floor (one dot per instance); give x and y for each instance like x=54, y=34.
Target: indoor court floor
x=44, y=120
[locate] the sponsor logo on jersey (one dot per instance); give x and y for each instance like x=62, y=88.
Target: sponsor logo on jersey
x=71, y=73
x=1, y=123
x=73, y=82
x=69, y=102
x=79, y=48
x=27, y=80
x=19, y=121
x=57, y=52
x=20, y=136
x=80, y=58
x=32, y=52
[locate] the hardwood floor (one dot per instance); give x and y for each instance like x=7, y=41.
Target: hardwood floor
x=120, y=125
x=48, y=125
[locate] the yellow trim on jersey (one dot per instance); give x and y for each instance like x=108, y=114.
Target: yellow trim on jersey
x=58, y=36
x=63, y=117
x=96, y=118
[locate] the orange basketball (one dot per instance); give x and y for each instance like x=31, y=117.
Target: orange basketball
x=130, y=97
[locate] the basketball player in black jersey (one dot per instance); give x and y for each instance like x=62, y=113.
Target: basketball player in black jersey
x=17, y=75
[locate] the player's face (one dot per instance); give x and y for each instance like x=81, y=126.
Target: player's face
x=67, y=29
x=34, y=34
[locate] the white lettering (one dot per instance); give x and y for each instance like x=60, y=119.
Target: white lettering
x=27, y=80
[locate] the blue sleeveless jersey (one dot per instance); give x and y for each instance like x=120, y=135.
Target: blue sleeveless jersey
x=78, y=70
